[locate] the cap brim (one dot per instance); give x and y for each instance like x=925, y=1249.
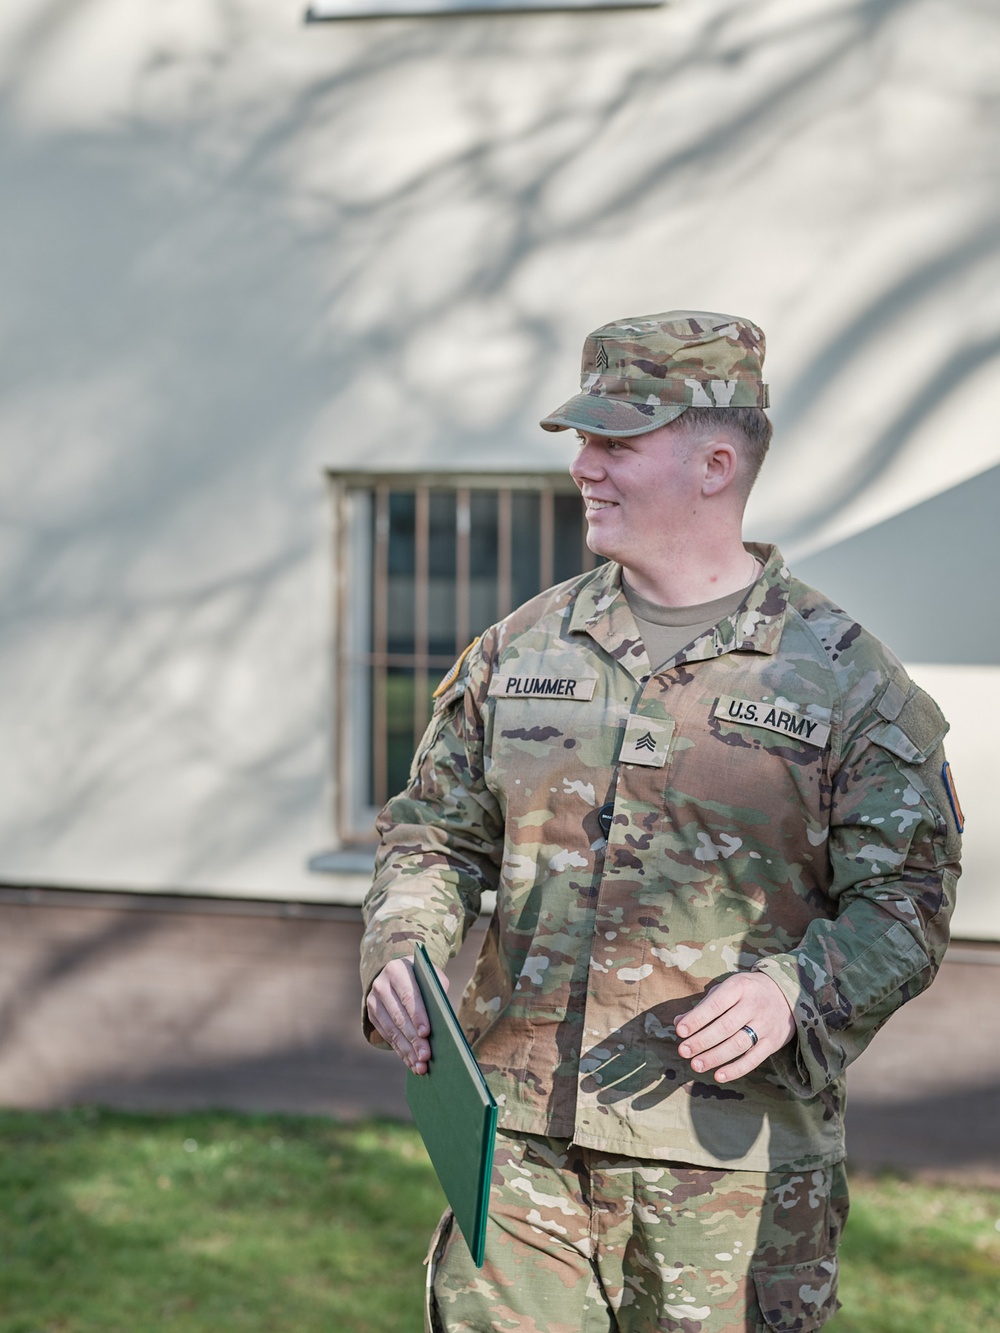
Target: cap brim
x=598, y=415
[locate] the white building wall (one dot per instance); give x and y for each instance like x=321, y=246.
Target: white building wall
x=237, y=249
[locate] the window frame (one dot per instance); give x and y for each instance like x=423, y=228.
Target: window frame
x=359, y=655
x=325, y=11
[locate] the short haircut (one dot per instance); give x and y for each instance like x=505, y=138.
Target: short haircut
x=747, y=427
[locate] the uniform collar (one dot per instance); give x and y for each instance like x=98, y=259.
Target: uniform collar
x=601, y=610
x=757, y=626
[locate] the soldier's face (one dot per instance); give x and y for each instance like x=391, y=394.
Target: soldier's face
x=639, y=493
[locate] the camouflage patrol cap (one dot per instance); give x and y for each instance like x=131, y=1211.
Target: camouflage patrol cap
x=639, y=374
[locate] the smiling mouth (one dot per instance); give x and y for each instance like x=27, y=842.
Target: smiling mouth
x=600, y=504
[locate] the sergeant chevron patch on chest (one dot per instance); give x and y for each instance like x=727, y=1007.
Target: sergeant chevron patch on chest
x=810, y=724
x=647, y=741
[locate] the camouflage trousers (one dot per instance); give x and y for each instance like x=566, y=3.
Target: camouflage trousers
x=580, y=1241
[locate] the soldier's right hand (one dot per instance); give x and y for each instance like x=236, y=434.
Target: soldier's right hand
x=396, y=1009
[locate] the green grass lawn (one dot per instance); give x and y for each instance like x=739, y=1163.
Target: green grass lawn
x=213, y=1222
x=920, y=1259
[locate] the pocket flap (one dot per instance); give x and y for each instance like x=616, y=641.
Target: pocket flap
x=798, y=1298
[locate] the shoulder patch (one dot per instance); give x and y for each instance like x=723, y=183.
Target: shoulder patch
x=953, y=801
x=453, y=674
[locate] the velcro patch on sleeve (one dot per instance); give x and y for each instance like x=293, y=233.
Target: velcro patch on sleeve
x=918, y=730
x=923, y=723
x=810, y=724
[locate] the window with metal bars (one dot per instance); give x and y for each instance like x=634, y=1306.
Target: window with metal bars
x=424, y=564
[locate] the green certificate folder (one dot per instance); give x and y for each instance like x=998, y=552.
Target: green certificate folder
x=455, y=1112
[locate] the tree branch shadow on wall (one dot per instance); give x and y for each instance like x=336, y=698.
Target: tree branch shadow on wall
x=161, y=513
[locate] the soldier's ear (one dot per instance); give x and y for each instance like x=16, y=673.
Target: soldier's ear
x=721, y=463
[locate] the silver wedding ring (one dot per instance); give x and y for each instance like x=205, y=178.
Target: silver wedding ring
x=754, y=1039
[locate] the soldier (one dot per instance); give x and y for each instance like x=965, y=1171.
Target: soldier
x=724, y=841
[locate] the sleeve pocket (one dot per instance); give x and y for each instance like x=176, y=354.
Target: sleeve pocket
x=798, y=1298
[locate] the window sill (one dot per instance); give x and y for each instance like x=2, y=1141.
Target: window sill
x=344, y=861
x=321, y=10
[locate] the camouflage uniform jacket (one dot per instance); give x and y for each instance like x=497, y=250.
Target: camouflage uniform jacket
x=778, y=805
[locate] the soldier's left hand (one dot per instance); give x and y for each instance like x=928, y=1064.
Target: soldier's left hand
x=713, y=1034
